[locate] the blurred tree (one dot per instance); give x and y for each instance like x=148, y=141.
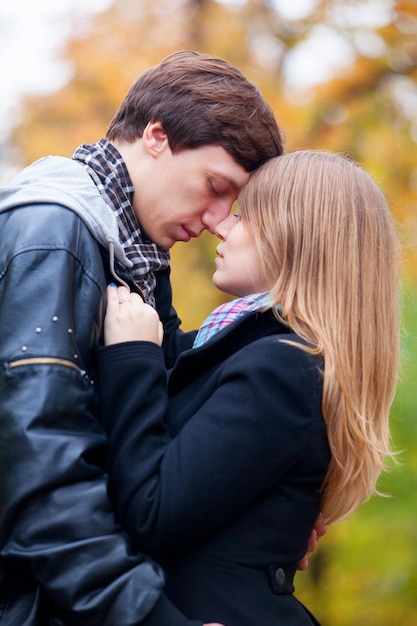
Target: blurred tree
x=367, y=109
x=365, y=104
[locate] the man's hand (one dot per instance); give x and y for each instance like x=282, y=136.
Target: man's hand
x=318, y=531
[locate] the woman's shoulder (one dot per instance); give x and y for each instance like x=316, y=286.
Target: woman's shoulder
x=279, y=361
x=286, y=345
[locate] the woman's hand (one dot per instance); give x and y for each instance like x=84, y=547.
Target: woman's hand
x=128, y=318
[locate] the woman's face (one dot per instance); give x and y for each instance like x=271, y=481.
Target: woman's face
x=238, y=268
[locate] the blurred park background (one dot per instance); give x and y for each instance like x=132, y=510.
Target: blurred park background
x=340, y=75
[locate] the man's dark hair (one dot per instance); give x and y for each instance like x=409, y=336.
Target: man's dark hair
x=201, y=100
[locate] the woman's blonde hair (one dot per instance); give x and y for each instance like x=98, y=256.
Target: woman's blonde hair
x=329, y=252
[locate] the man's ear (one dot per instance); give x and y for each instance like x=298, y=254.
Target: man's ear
x=155, y=138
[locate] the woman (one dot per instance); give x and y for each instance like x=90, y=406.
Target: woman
x=281, y=408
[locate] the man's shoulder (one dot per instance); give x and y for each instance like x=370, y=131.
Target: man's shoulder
x=44, y=219
x=47, y=226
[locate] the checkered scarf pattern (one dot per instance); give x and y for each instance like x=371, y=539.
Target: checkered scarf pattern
x=229, y=312
x=106, y=167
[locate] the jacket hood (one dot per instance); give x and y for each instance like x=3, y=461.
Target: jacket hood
x=60, y=180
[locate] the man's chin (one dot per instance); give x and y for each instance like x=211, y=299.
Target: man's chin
x=164, y=242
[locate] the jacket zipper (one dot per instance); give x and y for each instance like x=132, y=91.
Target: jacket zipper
x=46, y=361
x=117, y=277
x=140, y=291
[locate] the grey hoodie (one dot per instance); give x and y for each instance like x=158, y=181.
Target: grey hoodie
x=60, y=180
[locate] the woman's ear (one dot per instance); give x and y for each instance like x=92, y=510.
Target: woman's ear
x=155, y=139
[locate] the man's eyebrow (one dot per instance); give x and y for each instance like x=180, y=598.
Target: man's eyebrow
x=230, y=181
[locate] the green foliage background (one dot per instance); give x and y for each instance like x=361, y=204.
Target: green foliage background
x=365, y=570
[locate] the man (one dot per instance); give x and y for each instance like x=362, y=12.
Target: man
x=177, y=153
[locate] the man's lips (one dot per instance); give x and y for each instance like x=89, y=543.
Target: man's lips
x=190, y=233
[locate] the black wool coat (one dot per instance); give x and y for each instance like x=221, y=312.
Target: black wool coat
x=216, y=469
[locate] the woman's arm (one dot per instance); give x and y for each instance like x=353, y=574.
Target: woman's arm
x=170, y=491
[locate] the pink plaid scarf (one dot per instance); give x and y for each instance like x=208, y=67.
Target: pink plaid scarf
x=227, y=313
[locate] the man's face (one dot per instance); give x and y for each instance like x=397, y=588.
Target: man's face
x=179, y=195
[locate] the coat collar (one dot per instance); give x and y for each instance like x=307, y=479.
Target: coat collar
x=192, y=363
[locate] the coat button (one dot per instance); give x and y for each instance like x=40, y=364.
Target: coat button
x=280, y=577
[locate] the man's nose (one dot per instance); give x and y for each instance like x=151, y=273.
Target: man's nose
x=215, y=215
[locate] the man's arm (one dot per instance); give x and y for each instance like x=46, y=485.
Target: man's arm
x=318, y=531
x=57, y=527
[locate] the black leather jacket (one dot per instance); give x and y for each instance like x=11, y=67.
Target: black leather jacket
x=63, y=557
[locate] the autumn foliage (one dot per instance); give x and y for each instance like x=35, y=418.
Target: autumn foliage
x=364, y=572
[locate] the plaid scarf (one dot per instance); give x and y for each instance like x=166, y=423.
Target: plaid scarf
x=229, y=312
x=106, y=167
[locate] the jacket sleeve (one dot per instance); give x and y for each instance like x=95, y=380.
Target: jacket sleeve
x=175, y=340
x=57, y=526
x=172, y=491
